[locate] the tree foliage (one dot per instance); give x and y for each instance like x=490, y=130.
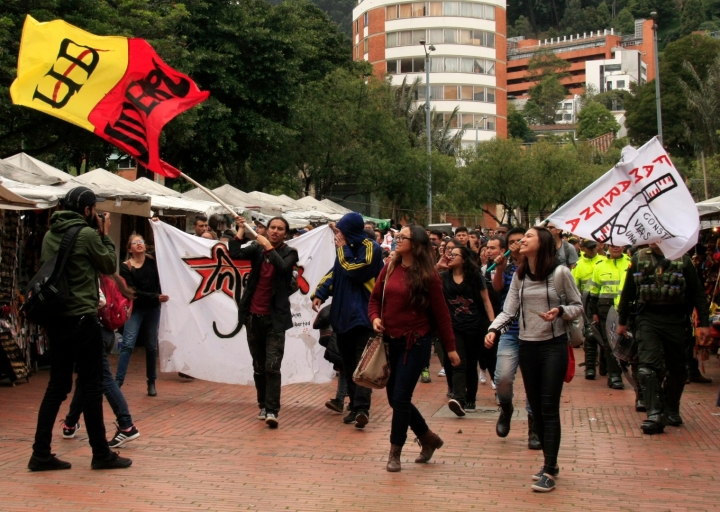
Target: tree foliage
x=595, y=120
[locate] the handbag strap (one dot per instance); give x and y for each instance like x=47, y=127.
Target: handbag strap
x=66, y=244
x=387, y=276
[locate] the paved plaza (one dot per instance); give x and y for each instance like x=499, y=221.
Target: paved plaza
x=201, y=448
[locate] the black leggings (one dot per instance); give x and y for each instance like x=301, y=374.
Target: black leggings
x=543, y=365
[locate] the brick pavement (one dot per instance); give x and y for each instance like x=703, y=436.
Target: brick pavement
x=201, y=448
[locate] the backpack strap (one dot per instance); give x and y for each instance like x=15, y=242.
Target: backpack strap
x=66, y=244
x=559, y=284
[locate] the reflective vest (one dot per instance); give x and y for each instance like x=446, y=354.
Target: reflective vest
x=608, y=279
x=583, y=272
x=659, y=280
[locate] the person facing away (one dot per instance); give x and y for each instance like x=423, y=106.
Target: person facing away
x=75, y=336
x=358, y=262
x=264, y=309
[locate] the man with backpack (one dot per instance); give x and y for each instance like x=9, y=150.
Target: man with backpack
x=74, y=332
x=566, y=253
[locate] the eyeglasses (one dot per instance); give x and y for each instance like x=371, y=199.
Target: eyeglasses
x=402, y=238
x=451, y=255
x=138, y=242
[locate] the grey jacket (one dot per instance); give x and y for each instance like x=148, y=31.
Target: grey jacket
x=526, y=298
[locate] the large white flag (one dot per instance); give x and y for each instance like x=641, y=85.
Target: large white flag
x=203, y=283
x=641, y=200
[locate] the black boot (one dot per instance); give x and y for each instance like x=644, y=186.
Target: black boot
x=614, y=371
x=502, y=429
x=590, y=358
x=603, y=362
x=151, y=388
x=533, y=439
x=674, y=385
x=652, y=392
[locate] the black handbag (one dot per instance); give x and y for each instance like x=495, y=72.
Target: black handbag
x=48, y=291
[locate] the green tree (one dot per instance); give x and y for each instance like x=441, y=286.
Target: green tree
x=625, y=22
x=595, y=120
x=547, y=94
x=691, y=17
x=518, y=126
x=575, y=18
x=602, y=15
x=703, y=100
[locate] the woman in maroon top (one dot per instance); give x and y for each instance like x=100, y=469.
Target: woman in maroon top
x=413, y=300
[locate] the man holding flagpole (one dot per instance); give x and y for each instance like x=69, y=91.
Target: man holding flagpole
x=264, y=309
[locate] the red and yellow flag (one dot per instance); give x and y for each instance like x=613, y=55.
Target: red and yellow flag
x=116, y=87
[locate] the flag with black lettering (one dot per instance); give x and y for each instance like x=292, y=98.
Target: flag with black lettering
x=642, y=200
x=115, y=87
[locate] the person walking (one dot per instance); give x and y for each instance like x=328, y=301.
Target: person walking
x=543, y=352
x=357, y=264
x=74, y=335
x=663, y=293
x=471, y=312
x=403, y=311
x=264, y=309
x=141, y=274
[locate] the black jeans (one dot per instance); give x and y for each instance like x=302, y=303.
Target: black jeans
x=267, y=348
x=460, y=374
x=543, y=365
x=476, y=351
x=405, y=369
x=351, y=345
x=75, y=343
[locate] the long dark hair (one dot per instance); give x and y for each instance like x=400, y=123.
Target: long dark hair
x=470, y=268
x=422, y=272
x=546, y=258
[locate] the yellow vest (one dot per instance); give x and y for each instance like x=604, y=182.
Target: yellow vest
x=608, y=279
x=583, y=272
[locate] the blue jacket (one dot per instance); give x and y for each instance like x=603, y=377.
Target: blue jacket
x=352, y=277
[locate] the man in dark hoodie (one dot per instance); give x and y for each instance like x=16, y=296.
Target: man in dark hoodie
x=350, y=282
x=75, y=336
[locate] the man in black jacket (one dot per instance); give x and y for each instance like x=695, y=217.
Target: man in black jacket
x=264, y=309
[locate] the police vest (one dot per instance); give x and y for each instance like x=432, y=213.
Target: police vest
x=608, y=279
x=659, y=280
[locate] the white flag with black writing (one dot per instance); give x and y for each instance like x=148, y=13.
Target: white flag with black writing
x=641, y=200
x=199, y=333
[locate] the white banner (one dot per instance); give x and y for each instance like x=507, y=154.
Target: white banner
x=203, y=284
x=641, y=200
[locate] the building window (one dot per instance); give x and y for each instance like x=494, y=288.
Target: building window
x=567, y=106
x=366, y=45
x=608, y=86
x=419, y=9
x=621, y=84
x=357, y=26
x=365, y=19
x=567, y=117
x=391, y=67
x=438, y=36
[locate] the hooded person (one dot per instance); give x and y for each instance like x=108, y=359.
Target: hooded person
x=357, y=264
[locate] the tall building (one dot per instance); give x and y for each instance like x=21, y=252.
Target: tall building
x=467, y=68
x=604, y=58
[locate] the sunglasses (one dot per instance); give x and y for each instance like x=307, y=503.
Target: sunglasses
x=138, y=242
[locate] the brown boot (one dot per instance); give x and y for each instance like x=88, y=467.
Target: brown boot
x=393, y=464
x=429, y=442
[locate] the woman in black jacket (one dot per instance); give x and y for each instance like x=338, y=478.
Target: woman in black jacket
x=141, y=274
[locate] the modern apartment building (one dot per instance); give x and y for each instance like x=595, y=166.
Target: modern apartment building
x=467, y=67
x=603, y=58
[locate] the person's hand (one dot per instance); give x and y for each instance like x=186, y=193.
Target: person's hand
x=490, y=339
x=621, y=330
x=500, y=263
x=340, y=239
x=596, y=319
x=316, y=303
x=264, y=242
x=163, y=298
x=378, y=326
x=443, y=263
x=454, y=358
x=550, y=315
x=155, y=219
x=704, y=332
x=240, y=221
x=514, y=247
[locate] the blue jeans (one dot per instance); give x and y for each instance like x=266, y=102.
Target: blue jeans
x=112, y=393
x=342, y=389
x=148, y=320
x=405, y=369
x=507, y=365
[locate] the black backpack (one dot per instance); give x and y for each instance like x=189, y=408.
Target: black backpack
x=48, y=290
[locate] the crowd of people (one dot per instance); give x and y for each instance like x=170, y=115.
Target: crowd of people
x=488, y=303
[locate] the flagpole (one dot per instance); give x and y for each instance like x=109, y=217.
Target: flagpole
x=214, y=196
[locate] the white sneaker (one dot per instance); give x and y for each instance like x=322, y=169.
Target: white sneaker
x=492, y=383
x=441, y=373
x=483, y=378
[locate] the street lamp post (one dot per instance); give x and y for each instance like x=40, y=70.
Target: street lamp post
x=427, y=50
x=484, y=120
x=654, y=17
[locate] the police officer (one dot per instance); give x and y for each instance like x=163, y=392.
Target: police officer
x=665, y=291
x=582, y=273
x=606, y=280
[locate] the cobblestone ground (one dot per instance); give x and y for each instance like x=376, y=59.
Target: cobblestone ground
x=201, y=448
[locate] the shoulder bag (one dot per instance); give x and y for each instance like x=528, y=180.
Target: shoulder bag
x=575, y=329
x=373, y=370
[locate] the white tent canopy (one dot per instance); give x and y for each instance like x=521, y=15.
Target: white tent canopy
x=236, y=198
x=708, y=206
x=31, y=164
x=334, y=205
x=152, y=187
x=32, y=176
x=9, y=200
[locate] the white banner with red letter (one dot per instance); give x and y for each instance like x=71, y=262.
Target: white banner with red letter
x=199, y=333
x=641, y=200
